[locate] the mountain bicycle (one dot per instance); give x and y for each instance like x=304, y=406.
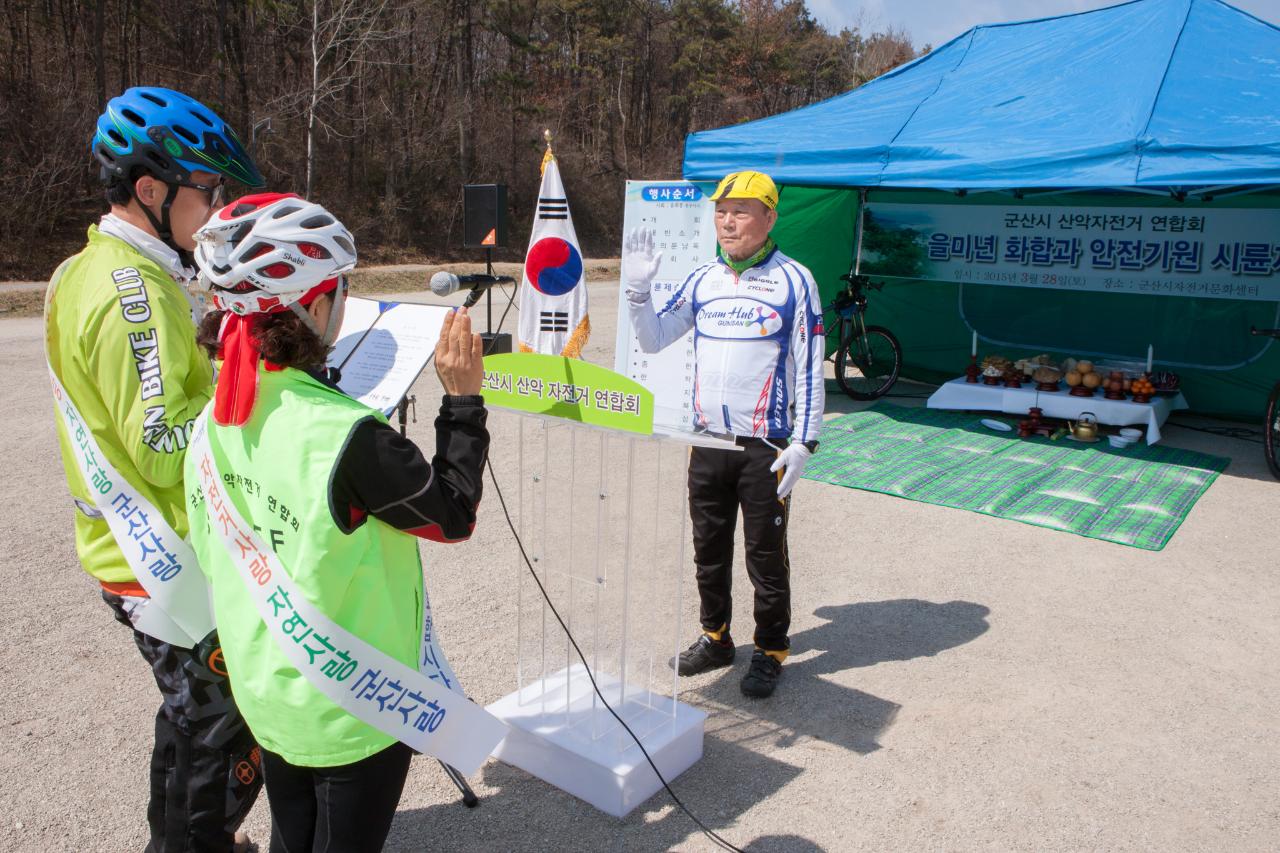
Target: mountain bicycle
x=867, y=358
x=1271, y=421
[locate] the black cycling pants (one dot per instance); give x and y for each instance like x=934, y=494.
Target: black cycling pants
x=721, y=482
x=205, y=765
x=346, y=809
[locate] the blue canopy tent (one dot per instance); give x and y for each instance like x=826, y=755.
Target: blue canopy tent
x=1164, y=104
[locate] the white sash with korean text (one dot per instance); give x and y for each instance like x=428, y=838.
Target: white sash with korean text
x=422, y=708
x=179, y=612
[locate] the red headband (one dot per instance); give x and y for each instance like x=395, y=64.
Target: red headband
x=237, y=388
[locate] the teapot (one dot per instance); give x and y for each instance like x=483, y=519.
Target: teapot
x=1086, y=428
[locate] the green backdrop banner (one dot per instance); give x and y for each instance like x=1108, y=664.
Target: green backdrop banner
x=816, y=227
x=1225, y=253
x=1224, y=370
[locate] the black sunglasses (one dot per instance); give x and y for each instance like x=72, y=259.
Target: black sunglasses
x=214, y=191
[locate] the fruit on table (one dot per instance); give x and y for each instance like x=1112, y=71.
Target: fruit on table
x=1142, y=387
x=997, y=361
x=1090, y=379
x=1047, y=375
x=1029, y=365
x=1073, y=378
x=1084, y=367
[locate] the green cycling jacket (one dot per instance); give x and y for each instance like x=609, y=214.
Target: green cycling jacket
x=120, y=337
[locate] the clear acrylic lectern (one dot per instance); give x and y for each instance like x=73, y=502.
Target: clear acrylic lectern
x=603, y=518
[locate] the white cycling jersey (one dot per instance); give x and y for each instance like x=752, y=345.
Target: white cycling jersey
x=758, y=346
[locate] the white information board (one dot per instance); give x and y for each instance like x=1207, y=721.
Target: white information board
x=382, y=347
x=680, y=215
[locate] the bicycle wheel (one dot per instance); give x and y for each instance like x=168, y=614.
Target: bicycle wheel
x=867, y=368
x=1271, y=431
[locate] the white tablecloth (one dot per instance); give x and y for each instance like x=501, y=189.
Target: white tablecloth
x=959, y=394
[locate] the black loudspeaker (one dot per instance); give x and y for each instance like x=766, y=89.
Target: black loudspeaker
x=496, y=343
x=484, y=216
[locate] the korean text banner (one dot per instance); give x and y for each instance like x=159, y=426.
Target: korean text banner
x=1193, y=251
x=179, y=610
x=562, y=387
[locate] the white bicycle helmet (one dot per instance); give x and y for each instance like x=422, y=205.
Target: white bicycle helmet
x=270, y=252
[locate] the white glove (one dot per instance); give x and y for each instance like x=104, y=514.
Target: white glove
x=793, y=459
x=639, y=264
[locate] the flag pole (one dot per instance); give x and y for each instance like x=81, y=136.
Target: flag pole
x=547, y=156
x=488, y=294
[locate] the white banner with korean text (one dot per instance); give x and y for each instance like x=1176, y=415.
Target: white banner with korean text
x=423, y=708
x=1187, y=251
x=179, y=612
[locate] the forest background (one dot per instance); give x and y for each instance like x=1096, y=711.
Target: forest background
x=383, y=109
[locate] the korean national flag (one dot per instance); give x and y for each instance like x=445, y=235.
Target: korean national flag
x=553, y=293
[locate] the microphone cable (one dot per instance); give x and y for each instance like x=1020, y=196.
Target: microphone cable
x=707, y=831
x=511, y=300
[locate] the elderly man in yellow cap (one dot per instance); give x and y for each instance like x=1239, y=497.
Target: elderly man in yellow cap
x=757, y=323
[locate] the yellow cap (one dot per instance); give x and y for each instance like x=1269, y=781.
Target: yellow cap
x=755, y=185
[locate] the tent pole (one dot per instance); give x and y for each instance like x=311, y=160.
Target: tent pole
x=857, y=237
x=1213, y=191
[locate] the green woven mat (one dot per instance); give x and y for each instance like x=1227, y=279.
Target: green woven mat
x=1136, y=496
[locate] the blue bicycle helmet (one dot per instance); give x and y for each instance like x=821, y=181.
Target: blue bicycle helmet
x=170, y=135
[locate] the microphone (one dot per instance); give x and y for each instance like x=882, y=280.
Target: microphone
x=444, y=283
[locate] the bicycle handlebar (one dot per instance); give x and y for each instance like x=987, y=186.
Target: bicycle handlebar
x=859, y=280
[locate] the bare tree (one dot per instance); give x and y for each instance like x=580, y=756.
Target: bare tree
x=340, y=43
x=367, y=97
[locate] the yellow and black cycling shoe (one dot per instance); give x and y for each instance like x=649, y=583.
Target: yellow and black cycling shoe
x=704, y=654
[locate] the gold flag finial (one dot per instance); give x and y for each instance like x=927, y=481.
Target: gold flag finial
x=547, y=157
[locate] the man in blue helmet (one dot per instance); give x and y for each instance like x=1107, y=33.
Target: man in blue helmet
x=129, y=380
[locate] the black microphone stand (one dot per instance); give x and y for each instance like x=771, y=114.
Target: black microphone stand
x=469, y=798
x=494, y=342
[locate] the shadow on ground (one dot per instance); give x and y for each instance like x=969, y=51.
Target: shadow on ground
x=520, y=812
x=782, y=844
x=810, y=705
x=527, y=814
x=903, y=393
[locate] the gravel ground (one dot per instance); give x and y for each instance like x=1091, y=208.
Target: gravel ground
x=958, y=682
